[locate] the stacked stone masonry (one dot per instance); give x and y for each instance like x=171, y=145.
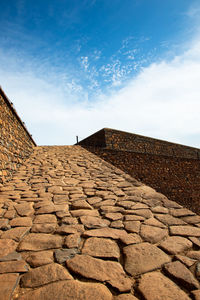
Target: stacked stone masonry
x=74, y=227
x=16, y=144
x=120, y=140
x=171, y=169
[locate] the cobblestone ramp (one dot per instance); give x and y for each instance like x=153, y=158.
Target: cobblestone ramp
x=74, y=227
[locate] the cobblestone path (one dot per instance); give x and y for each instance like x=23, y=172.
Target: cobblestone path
x=74, y=227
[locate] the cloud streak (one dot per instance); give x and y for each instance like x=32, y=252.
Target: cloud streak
x=161, y=101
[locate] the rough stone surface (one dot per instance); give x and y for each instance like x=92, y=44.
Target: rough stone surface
x=185, y=231
x=24, y=209
x=125, y=297
x=153, y=234
x=16, y=233
x=94, y=222
x=69, y=290
x=7, y=246
x=44, y=228
x=61, y=255
x=40, y=258
x=23, y=221
x=194, y=254
x=178, y=271
x=13, y=267
x=144, y=257
x=66, y=213
x=186, y=260
x=72, y=240
x=45, y=274
x=176, y=244
x=156, y=286
x=100, y=270
x=40, y=219
x=132, y=226
x=101, y=247
x=40, y=241
x=8, y=283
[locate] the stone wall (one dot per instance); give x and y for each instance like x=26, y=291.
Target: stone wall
x=16, y=143
x=120, y=140
x=171, y=169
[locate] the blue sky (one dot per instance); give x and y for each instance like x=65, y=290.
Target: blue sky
x=72, y=67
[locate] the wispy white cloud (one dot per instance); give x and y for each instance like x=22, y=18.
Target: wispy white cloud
x=161, y=101
x=84, y=62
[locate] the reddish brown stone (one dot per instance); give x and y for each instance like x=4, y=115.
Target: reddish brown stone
x=185, y=260
x=45, y=274
x=185, y=231
x=126, y=204
x=154, y=222
x=159, y=210
x=176, y=244
x=46, y=209
x=80, y=204
x=103, y=203
x=117, y=224
x=11, y=256
x=10, y=214
x=8, y=283
x=143, y=257
x=7, y=246
x=153, y=234
x=67, y=229
x=23, y=221
x=194, y=254
x=40, y=241
x=109, y=271
x=179, y=272
x=94, y=200
x=94, y=222
x=44, y=228
x=132, y=226
x=181, y=212
x=72, y=240
x=4, y=224
x=192, y=219
x=40, y=258
x=133, y=218
x=125, y=297
x=114, y=216
x=69, y=220
x=69, y=290
x=156, y=286
x=111, y=209
x=16, y=233
x=25, y=209
x=146, y=213
x=13, y=267
x=40, y=219
x=101, y=247
x=169, y=220
x=195, y=240
x=84, y=212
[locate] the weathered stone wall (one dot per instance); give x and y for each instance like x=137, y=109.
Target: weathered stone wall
x=171, y=169
x=16, y=143
x=177, y=178
x=120, y=140
x=95, y=140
